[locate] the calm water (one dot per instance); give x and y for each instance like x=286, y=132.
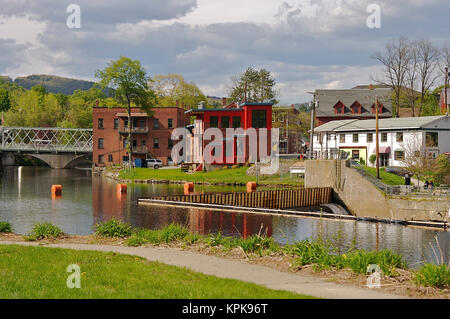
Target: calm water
x=25, y=199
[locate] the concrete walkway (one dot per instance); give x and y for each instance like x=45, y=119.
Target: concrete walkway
x=239, y=270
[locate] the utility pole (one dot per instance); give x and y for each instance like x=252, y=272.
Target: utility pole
x=378, y=142
x=445, y=89
x=311, y=138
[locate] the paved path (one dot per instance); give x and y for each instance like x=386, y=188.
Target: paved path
x=239, y=270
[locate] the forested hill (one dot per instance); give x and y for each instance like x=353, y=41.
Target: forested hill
x=53, y=84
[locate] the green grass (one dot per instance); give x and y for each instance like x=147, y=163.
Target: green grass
x=44, y=231
x=430, y=275
x=25, y=272
x=5, y=227
x=234, y=176
x=113, y=228
x=387, y=178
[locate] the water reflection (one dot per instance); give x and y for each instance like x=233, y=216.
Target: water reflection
x=25, y=199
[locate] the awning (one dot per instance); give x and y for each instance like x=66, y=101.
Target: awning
x=383, y=150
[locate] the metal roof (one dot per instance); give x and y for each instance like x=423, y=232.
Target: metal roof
x=384, y=124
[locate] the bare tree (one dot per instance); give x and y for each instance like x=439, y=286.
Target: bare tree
x=411, y=76
x=428, y=60
x=416, y=159
x=396, y=60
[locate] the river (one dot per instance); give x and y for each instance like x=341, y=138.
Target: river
x=25, y=199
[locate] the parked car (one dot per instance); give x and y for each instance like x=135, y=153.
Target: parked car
x=154, y=163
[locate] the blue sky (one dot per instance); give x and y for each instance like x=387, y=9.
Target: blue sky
x=307, y=44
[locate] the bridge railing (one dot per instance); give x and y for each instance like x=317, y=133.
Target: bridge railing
x=25, y=139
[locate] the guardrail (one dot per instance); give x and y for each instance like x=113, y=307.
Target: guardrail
x=402, y=189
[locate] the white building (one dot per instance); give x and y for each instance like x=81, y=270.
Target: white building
x=397, y=136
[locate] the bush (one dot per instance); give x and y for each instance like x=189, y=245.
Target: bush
x=430, y=275
x=114, y=229
x=44, y=231
x=362, y=161
x=372, y=159
x=168, y=234
x=5, y=227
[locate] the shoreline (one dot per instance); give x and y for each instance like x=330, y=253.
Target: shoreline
x=400, y=286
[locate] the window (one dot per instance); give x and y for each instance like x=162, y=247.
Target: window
x=170, y=123
x=214, y=121
x=259, y=119
x=355, y=138
x=225, y=121
x=141, y=123
x=125, y=143
x=100, y=123
x=110, y=158
x=399, y=155
x=125, y=159
x=116, y=124
x=369, y=138
x=155, y=124
x=143, y=142
x=100, y=144
x=431, y=139
x=383, y=137
x=399, y=137
x=355, y=155
x=236, y=121
x=156, y=143
x=100, y=159
x=342, y=138
x=170, y=143
x=134, y=143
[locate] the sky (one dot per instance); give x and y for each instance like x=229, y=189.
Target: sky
x=306, y=44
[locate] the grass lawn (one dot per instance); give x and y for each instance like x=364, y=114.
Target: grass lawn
x=236, y=175
x=387, y=178
x=40, y=272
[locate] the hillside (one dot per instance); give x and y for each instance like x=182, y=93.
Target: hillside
x=53, y=84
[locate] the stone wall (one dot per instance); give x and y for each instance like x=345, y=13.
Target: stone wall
x=363, y=199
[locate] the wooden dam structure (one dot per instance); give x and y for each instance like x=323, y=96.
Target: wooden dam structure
x=274, y=199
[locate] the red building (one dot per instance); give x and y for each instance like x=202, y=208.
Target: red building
x=232, y=116
x=151, y=135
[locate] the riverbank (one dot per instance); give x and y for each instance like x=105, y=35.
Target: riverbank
x=399, y=283
x=222, y=177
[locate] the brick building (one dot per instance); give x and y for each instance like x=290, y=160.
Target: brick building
x=151, y=135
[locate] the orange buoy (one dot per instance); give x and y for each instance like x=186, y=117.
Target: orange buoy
x=56, y=190
x=121, y=188
x=188, y=188
x=251, y=187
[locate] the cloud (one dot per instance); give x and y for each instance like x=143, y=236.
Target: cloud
x=307, y=44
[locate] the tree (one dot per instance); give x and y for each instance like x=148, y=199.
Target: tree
x=129, y=81
x=443, y=169
x=253, y=86
x=395, y=59
x=428, y=60
x=411, y=78
x=5, y=101
x=173, y=87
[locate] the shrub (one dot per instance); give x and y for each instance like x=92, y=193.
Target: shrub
x=113, y=228
x=362, y=161
x=168, y=234
x=5, y=227
x=430, y=275
x=372, y=159
x=256, y=244
x=44, y=231
x=173, y=232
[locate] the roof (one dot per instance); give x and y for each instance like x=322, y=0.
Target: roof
x=384, y=124
x=327, y=99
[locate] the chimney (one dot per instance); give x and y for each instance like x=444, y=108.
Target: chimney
x=182, y=105
x=177, y=103
x=224, y=101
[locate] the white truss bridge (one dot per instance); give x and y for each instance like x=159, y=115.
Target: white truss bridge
x=58, y=147
x=45, y=140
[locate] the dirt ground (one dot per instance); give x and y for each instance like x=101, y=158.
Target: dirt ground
x=401, y=285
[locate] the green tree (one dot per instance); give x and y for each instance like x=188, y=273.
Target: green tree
x=253, y=86
x=129, y=81
x=5, y=101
